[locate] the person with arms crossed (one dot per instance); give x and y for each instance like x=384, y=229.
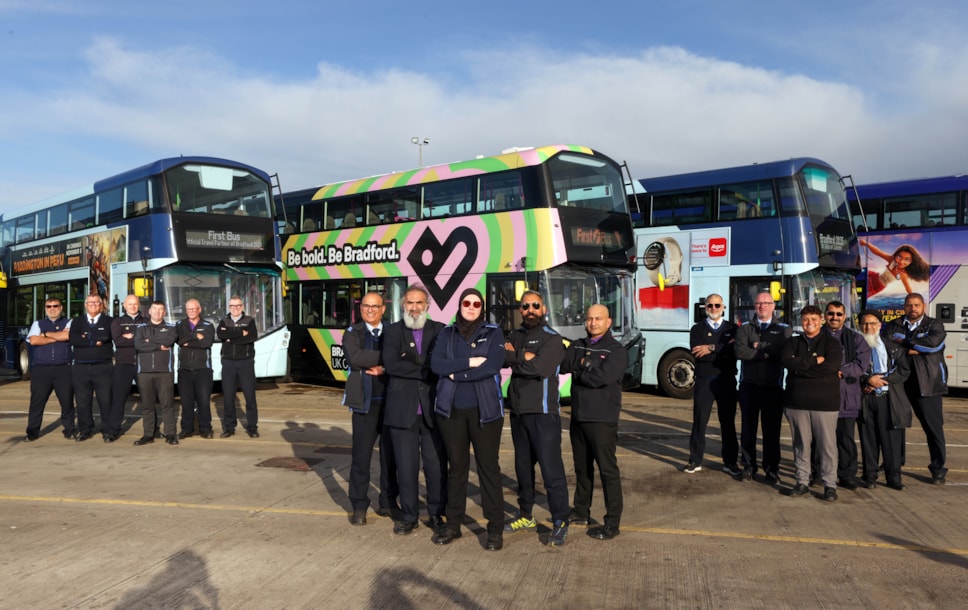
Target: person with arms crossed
x=238, y=333
x=91, y=371
x=887, y=409
x=195, y=336
x=156, y=374
x=125, y=364
x=50, y=351
x=812, y=400
x=533, y=352
x=409, y=414
x=365, y=396
x=758, y=347
x=467, y=359
x=597, y=365
x=924, y=338
x=711, y=342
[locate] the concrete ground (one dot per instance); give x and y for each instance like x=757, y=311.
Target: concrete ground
x=213, y=524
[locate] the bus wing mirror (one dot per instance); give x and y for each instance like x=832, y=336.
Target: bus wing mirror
x=775, y=291
x=3, y=279
x=139, y=286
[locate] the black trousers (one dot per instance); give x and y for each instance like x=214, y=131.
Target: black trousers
x=411, y=446
x=121, y=379
x=195, y=389
x=367, y=428
x=761, y=405
x=461, y=431
x=239, y=374
x=928, y=411
x=43, y=381
x=879, y=436
x=537, y=440
x=157, y=388
x=722, y=390
x=594, y=443
x=846, y=450
x=91, y=380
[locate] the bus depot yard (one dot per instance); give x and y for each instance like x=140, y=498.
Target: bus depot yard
x=263, y=523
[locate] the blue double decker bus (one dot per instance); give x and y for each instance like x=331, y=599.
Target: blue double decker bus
x=782, y=226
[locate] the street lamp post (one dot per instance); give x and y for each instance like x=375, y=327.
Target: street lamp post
x=420, y=144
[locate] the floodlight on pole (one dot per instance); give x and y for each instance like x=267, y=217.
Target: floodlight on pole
x=420, y=144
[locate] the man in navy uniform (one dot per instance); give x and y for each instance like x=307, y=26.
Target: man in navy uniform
x=50, y=351
x=90, y=338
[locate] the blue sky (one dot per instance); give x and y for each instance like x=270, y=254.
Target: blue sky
x=320, y=93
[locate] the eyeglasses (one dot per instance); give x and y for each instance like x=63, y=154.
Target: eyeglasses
x=764, y=303
x=533, y=305
x=53, y=306
x=474, y=304
x=713, y=305
x=835, y=314
x=368, y=306
x=234, y=305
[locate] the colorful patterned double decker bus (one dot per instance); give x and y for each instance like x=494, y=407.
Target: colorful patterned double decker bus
x=553, y=219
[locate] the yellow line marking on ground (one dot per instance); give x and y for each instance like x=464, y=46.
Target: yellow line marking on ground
x=625, y=528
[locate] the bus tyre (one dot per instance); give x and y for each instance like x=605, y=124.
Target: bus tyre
x=23, y=361
x=677, y=374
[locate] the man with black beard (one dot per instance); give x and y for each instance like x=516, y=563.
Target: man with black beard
x=409, y=410
x=534, y=352
x=886, y=410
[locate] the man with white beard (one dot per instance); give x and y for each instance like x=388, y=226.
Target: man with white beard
x=887, y=409
x=409, y=412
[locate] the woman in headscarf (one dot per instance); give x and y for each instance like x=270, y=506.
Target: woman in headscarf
x=468, y=358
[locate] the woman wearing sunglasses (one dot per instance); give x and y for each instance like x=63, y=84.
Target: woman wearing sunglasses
x=468, y=358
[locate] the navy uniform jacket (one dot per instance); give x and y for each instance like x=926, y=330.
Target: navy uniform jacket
x=927, y=339
x=359, y=389
x=410, y=380
x=596, y=371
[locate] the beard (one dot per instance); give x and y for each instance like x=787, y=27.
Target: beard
x=415, y=322
x=872, y=340
x=531, y=321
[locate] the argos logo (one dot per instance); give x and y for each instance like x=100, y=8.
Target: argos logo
x=717, y=246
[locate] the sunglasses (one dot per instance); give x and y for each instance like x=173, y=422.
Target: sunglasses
x=534, y=305
x=52, y=306
x=836, y=314
x=474, y=304
x=713, y=305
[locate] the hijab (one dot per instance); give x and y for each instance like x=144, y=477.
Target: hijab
x=466, y=328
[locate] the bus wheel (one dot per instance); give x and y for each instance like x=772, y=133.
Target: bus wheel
x=23, y=361
x=677, y=374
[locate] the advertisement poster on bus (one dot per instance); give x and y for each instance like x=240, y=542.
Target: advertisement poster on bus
x=96, y=251
x=927, y=263
x=666, y=261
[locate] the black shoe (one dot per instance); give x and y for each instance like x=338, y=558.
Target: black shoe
x=850, y=484
x=576, y=518
x=227, y=433
x=830, y=494
x=206, y=434
x=144, y=440
x=606, y=532
x=359, y=517
x=868, y=482
x=436, y=523
x=110, y=438
x=83, y=437
x=446, y=537
x=799, y=490
x=732, y=470
x=171, y=439
x=495, y=542
x=389, y=511
x=31, y=438
x=937, y=479
x=253, y=433
x=747, y=473
x=772, y=478
x=70, y=434
x=186, y=434
x=896, y=485
x=403, y=528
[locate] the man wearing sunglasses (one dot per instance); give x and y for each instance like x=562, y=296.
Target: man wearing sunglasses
x=856, y=361
x=712, y=346
x=50, y=352
x=534, y=352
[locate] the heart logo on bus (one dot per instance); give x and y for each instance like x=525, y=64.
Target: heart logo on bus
x=439, y=256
